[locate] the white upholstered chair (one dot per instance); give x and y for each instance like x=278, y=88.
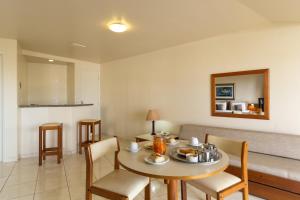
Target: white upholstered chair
x=117, y=185
x=223, y=184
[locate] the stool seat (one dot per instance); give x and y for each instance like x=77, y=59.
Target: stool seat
x=51, y=124
x=89, y=120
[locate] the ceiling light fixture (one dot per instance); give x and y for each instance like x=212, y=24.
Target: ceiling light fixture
x=51, y=60
x=117, y=27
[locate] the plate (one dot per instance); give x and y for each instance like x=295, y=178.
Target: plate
x=150, y=161
x=187, y=149
x=198, y=145
x=173, y=144
x=149, y=146
x=128, y=149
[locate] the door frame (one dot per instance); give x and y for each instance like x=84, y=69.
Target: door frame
x=1, y=107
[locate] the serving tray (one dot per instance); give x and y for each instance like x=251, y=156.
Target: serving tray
x=173, y=154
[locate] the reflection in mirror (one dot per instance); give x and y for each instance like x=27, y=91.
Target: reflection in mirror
x=240, y=94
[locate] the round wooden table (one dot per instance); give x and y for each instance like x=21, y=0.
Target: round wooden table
x=172, y=171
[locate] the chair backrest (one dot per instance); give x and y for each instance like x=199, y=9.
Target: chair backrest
x=229, y=146
x=95, y=151
x=103, y=147
x=233, y=147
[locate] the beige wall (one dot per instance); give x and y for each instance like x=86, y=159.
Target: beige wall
x=8, y=112
x=247, y=88
x=47, y=83
x=176, y=81
x=22, y=80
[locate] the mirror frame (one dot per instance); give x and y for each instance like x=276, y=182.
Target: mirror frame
x=266, y=89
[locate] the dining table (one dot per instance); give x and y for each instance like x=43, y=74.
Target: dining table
x=173, y=171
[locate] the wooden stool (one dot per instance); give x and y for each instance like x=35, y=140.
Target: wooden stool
x=89, y=125
x=43, y=151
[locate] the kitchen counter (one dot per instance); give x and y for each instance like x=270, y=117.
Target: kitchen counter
x=53, y=105
x=31, y=117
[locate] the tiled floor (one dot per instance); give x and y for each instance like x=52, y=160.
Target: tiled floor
x=24, y=180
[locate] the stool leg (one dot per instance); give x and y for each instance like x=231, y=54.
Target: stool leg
x=93, y=133
x=44, y=144
x=40, y=145
x=61, y=142
x=100, y=134
x=58, y=145
x=87, y=133
x=80, y=138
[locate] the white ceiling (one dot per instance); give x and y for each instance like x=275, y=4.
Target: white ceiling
x=52, y=26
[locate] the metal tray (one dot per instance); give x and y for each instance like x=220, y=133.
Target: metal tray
x=174, y=155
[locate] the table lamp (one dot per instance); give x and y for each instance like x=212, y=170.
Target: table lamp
x=152, y=116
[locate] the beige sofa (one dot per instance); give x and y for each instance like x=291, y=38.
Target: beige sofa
x=274, y=159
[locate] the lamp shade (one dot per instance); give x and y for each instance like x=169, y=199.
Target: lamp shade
x=152, y=115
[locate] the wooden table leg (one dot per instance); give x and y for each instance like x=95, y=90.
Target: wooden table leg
x=80, y=138
x=172, y=190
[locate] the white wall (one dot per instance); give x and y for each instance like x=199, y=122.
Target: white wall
x=47, y=83
x=8, y=138
x=247, y=88
x=176, y=81
x=86, y=79
x=22, y=80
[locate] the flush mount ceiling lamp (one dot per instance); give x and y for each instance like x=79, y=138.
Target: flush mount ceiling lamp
x=51, y=60
x=117, y=27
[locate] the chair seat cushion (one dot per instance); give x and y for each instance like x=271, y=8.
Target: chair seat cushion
x=273, y=165
x=213, y=184
x=122, y=182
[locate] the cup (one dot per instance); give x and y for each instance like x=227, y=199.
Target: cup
x=194, y=141
x=134, y=147
x=192, y=157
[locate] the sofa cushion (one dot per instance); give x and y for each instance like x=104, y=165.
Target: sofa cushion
x=274, y=165
x=285, y=145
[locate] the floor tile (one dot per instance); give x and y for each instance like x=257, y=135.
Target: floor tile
x=57, y=194
x=20, y=190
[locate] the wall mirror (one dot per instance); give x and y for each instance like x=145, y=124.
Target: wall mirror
x=243, y=94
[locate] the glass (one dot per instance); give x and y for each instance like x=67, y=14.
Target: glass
x=159, y=145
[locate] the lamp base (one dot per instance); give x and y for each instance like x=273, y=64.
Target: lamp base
x=153, y=128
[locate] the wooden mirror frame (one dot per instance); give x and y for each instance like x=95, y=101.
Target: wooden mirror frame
x=266, y=92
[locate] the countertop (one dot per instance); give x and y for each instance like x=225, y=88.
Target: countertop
x=54, y=105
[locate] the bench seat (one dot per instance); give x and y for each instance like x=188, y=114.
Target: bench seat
x=273, y=165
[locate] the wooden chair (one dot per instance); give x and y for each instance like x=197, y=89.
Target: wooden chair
x=117, y=185
x=223, y=184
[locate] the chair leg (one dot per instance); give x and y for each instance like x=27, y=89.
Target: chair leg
x=88, y=195
x=148, y=192
x=208, y=197
x=245, y=193
x=183, y=190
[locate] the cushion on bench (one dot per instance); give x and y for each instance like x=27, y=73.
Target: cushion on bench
x=273, y=165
